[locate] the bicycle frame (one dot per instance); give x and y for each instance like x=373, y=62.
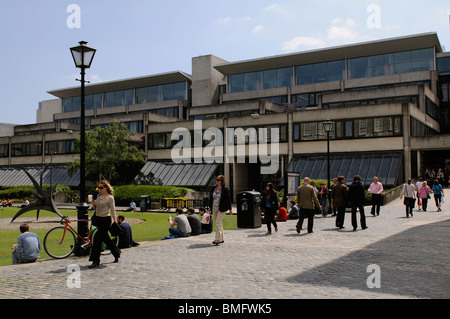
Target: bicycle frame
x=67, y=225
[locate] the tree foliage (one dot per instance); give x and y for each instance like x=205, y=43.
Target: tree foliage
x=108, y=153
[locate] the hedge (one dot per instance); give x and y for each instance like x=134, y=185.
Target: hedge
x=18, y=192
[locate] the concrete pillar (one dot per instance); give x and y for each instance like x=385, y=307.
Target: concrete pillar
x=406, y=141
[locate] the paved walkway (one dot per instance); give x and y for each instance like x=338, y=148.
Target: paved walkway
x=412, y=256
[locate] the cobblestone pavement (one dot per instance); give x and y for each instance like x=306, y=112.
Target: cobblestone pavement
x=412, y=255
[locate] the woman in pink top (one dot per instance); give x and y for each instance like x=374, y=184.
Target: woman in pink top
x=423, y=193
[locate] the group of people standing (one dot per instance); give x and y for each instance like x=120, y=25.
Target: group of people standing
x=421, y=192
x=311, y=200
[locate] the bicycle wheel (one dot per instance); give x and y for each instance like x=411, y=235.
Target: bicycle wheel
x=105, y=250
x=58, y=245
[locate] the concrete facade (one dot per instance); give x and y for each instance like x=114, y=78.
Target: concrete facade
x=402, y=109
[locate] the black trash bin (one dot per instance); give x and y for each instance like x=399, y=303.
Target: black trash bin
x=248, y=213
x=145, y=203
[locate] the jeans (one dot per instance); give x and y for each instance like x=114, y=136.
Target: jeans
x=340, y=217
x=323, y=203
x=409, y=206
x=424, y=204
x=362, y=217
x=437, y=200
x=306, y=213
x=178, y=232
x=269, y=216
x=377, y=200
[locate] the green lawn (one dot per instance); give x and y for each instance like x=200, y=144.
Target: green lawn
x=154, y=228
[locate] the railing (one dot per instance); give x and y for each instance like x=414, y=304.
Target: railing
x=183, y=202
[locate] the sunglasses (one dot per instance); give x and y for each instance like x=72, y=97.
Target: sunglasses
x=100, y=187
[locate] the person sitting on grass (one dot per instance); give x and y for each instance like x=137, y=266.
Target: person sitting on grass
x=183, y=228
x=27, y=248
x=125, y=239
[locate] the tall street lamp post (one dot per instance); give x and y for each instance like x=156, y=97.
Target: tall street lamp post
x=328, y=127
x=82, y=56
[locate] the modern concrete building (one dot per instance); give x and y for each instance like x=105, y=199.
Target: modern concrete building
x=388, y=100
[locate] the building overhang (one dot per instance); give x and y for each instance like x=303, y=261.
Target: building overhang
x=151, y=80
x=414, y=42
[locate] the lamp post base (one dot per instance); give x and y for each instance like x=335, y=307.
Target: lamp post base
x=83, y=229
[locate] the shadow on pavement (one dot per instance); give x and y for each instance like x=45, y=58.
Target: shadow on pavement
x=413, y=263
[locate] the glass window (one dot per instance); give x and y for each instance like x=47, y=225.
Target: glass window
x=443, y=65
x=270, y=79
x=179, y=91
x=304, y=74
x=109, y=97
x=250, y=81
x=317, y=167
x=336, y=166
x=320, y=72
x=284, y=77
x=236, y=83
x=4, y=150
x=142, y=95
x=445, y=91
x=308, y=166
x=168, y=92
x=153, y=94
x=393, y=170
x=296, y=132
x=348, y=128
x=384, y=168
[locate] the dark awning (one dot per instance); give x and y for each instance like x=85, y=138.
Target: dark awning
x=386, y=166
x=15, y=176
x=183, y=175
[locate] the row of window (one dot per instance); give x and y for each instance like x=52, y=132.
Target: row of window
x=310, y=131
x=377, y=65
x=35, y=148
x=157, y=93
x=418, y=129
x=239, y=136
x=345, y=129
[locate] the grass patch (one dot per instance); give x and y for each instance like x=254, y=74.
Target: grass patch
x=153, y=228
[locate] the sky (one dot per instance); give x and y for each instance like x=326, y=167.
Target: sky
x=136, y=38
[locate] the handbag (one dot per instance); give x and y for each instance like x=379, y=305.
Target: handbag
x=94, y=220
x=116, y=230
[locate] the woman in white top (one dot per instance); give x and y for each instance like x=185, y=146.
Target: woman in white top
x=410, y=197
x=104, y=209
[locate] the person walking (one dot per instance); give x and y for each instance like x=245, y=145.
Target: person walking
x=340, y=197
x=269, y=205
x=357, y=197
x=323, y=198
x=438, y=194
x=410, y=197
x=424, y=193
x=307, y=202
x=220, y=204
x=418, y=186
x=105, y=209
x=376, y=188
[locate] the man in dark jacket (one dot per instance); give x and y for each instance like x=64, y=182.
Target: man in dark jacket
x=356, y=197
x=340, y=198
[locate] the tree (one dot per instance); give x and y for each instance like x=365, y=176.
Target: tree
x=107, y=151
